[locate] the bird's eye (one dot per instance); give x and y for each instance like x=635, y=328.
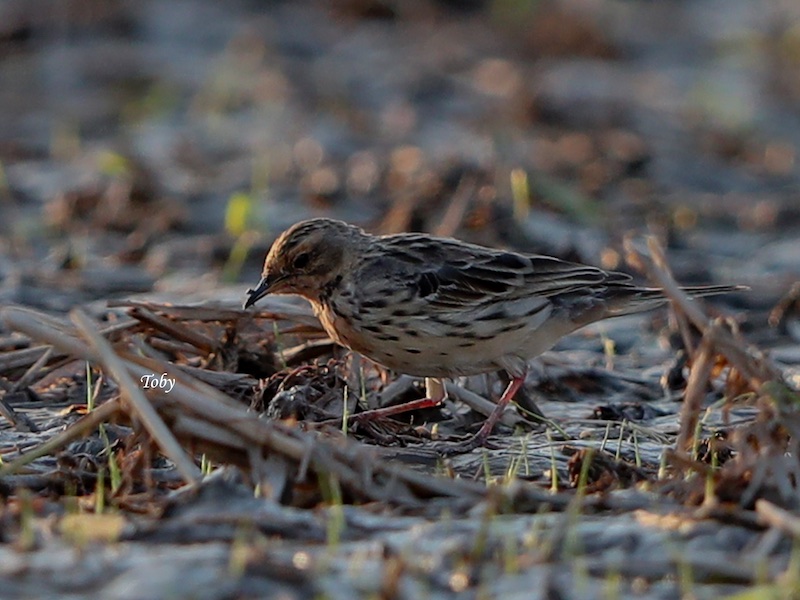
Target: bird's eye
x=301, y=261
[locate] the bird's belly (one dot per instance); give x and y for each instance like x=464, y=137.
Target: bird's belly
x=392, y=346
x=419, y=347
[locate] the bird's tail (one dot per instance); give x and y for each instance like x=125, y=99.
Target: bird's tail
x=629, y=300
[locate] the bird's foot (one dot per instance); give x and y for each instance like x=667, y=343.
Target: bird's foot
x=463, y=446
x=480, y=439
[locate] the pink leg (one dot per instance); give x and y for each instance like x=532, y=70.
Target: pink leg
x=389, y=411
x=434, y=390
x=486, y=430
x=479, y=439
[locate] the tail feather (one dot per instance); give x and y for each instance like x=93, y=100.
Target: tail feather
x=700, y=291
x=629, y=300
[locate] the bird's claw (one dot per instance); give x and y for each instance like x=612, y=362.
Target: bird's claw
x=446, y=449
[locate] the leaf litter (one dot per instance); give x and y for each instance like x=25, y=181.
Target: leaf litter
x=257, y=445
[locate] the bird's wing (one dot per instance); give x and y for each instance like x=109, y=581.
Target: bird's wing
x=509, y=276
x=447, y=275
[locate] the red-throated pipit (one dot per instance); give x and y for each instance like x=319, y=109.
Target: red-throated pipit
x=436, y=307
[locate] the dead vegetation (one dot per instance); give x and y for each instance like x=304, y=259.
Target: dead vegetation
x=211, y=389
x=159, y=442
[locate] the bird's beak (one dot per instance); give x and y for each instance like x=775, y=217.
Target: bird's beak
x=264, y=287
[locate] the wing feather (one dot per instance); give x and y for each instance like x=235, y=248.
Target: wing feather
x=448, y=275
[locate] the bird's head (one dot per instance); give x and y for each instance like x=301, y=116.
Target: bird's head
x=306, y=258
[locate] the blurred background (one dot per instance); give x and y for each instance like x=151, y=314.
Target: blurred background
x=159, y=146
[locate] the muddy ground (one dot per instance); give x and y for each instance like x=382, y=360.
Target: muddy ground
x=150, y=152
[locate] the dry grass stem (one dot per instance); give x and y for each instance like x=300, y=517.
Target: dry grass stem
x=117, y=369
x=694, y=395
x=87, y=423
x=174, y=329
x=777, y=517
x=32, y=371
x=717, y=339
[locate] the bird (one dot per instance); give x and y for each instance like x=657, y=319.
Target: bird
x=438, y=308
